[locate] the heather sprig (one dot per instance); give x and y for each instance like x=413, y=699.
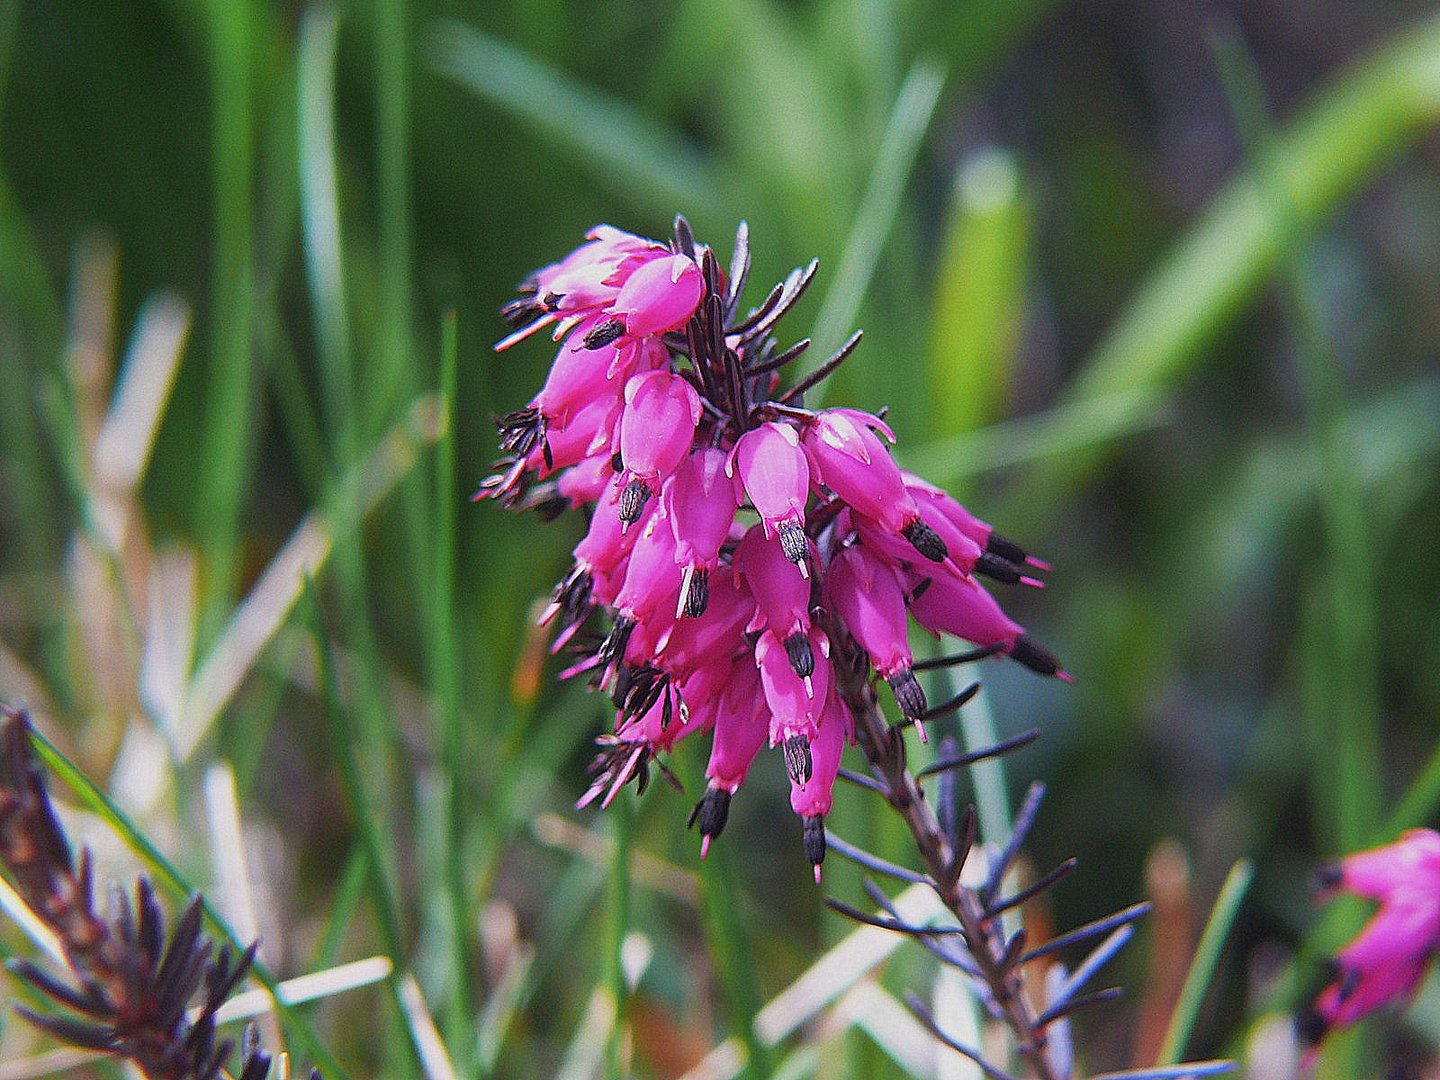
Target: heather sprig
x=750, y=569
x=134, y=985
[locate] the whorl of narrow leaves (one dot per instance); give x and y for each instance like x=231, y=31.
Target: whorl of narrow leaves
x=133, y=985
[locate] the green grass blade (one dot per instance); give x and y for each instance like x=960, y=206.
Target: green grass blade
x=390, y=377
x=730, y=953
x=621, y=814
x=445, y=686
x=1207, y=957
x=1349, y=766
x=320, y=220
x=641, y=159
x=174, y=882
x=232, y=374
x=382, y=894
x=1348, y=134
x=879, y=207
x=979, y=294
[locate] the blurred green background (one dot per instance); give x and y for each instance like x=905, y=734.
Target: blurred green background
x=1151, y=284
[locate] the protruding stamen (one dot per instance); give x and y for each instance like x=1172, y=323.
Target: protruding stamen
x=813, y=839
x=795, y=545
x=909, y=694
x=613, y=647
x=633, y=498
x=926, y=541
x=802, y=659
x=1037, y=658
x=1002, y=570
x=1330, y=876
x=712, y=811
x=797, y=759
x=604, y=334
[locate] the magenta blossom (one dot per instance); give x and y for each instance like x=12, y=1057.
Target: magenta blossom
x=1389, y=957
x=748, y=562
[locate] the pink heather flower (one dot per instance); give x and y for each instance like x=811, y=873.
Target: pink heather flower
x=659, y=296
x=662, y=387
x=867, y=593
x=700, y=507
x=795, y=701
x=848, y=457
x=963, y=608
x=719, y=634
x=773, y=473
x=1387, y=960
x=585, y=281
x=812, y=799
x=742, y=725
x=656, y=430
x=652, y=582
x=782, y=599
x=928, y=496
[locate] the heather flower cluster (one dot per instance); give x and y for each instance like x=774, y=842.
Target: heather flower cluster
x=1389, y=957
x=739, y=544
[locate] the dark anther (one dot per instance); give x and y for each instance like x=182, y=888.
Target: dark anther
x=794, y=543
x=698, y=598
x=919, y=590
x=521, y=310
x=797, y=758
x=632, y=500
x=802, y=660
x=993, y=566
x=712, y=811
x=1006, y=549
x=616, y=463
x=1034, y=656
x=927, y=541
x=521, y=431
x=1349, y=983
x=909, y=695
x=814, y=839
x=604, y=334
x=1329, y=877
x=613, y=648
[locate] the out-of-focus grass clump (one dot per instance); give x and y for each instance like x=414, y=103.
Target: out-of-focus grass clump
x=1151, y=284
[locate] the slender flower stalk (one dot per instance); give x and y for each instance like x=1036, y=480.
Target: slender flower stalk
x=749, y=571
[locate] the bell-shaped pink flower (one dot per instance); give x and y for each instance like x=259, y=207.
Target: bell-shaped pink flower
x=741, y=728
x=718, y=634
x=848, y=457
x=812, y=799
x=656, y=430
x=586, y=280
x=586, y=482
x=652, y=581
x=795, y=702
x=868, y=595
x=1389, y=957
x=935, y=501
x=700, y=504
x=659, y=296
x=774, y=474
x=962, y=607
x=782, y=598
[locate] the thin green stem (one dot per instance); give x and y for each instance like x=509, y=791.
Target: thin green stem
x=232, y=373
x=445, y=682
x=730, y=953
x=382, y=892
x=1207, y=956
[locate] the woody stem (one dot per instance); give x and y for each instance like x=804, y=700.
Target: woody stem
x=885, y=749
